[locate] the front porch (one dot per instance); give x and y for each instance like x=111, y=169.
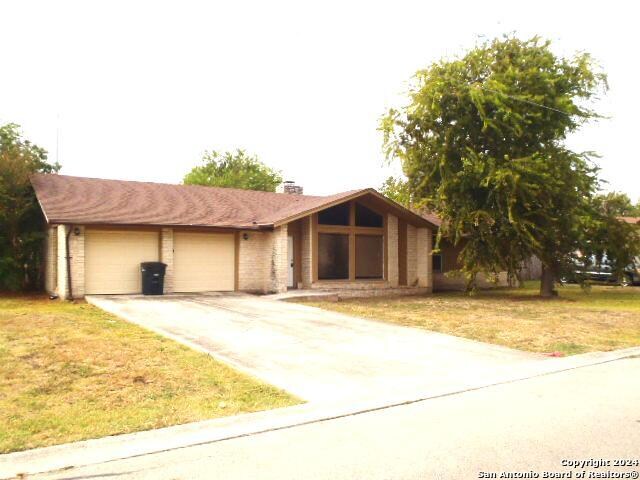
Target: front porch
x=363, y=247
x=336, y=294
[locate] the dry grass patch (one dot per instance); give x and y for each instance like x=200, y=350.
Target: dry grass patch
x=71, y=372
x=604, y=318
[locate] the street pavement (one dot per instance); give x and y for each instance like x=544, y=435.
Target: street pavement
x=525, y=427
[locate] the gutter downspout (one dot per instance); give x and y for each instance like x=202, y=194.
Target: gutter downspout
x=69, y=263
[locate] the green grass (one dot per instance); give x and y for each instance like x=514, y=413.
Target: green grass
x=71, y=372
x=577, y=321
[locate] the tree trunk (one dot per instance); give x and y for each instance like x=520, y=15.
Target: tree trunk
x=547, y=281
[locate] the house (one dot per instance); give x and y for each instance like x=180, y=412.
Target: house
x=445, y=261
x=222, y=239
x=631, y=220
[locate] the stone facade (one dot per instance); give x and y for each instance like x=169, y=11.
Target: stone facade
x=166, y=257
x=393, y=275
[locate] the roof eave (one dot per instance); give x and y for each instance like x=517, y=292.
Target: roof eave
x=311, y=211
x=70, y=221
x=44, y=212
x=418, y=219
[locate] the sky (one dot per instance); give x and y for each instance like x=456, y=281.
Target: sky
x=139, y=90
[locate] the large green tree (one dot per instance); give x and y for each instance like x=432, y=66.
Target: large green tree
x=234, y=169
x=397, y=190
x=607, y=236
x=21, y=222
x=482, y=144
x=617, y=203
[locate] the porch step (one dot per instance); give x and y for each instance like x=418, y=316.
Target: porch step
x=343, y=286
x=336, y=294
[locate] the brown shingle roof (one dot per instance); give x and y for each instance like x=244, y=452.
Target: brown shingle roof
x=437, y=221
x=632, y=220
x=67, y=199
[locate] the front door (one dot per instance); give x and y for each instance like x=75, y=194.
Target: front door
x=290, y=276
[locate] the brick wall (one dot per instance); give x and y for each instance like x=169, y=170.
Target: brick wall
x=76, y=262
x=423, y=261
x=253, y=261
x=62, y=285
x=306, y=247
x=262, y=261
x=392, y=250
x=166, y=256
x=76, y=246
x=262, y=265
x=279, y=260
x=412, y=256
x=262, y=258
x=51, y=260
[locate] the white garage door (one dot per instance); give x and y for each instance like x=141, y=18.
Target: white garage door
x=112, y=260
x=203, y=262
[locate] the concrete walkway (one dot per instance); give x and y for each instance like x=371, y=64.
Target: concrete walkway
x=318, y=355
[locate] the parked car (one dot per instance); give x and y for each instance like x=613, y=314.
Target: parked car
x=632, y=272
x=603, y=273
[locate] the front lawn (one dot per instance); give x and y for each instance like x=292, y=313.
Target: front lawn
x=71, y=372
x=604, y=318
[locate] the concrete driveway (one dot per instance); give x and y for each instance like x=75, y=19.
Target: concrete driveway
x=316, y=354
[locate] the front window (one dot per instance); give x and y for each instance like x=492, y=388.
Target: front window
x=365, y=217
x=350, y=243
x=369, y=256
x=338, y=215
x=333, y=256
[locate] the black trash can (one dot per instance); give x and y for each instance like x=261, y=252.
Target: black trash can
x=152, y=277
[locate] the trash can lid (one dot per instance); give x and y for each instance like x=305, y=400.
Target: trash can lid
x=152, y=264
x=153, y=267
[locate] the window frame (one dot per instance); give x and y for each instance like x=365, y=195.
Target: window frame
x=333, y=278
x=382, y=244
x=335, y=207
x=351, y=230
x=370, y=212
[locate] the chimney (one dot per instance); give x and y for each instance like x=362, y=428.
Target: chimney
x=290, y=187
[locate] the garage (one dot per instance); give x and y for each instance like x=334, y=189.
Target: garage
x=203, y=262
x=113, y=257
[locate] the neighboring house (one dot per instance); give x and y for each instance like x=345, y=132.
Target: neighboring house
x=446, y=261
x=631, y=220
x=221, y=239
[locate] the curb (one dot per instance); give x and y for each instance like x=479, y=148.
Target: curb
x=119, y=447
